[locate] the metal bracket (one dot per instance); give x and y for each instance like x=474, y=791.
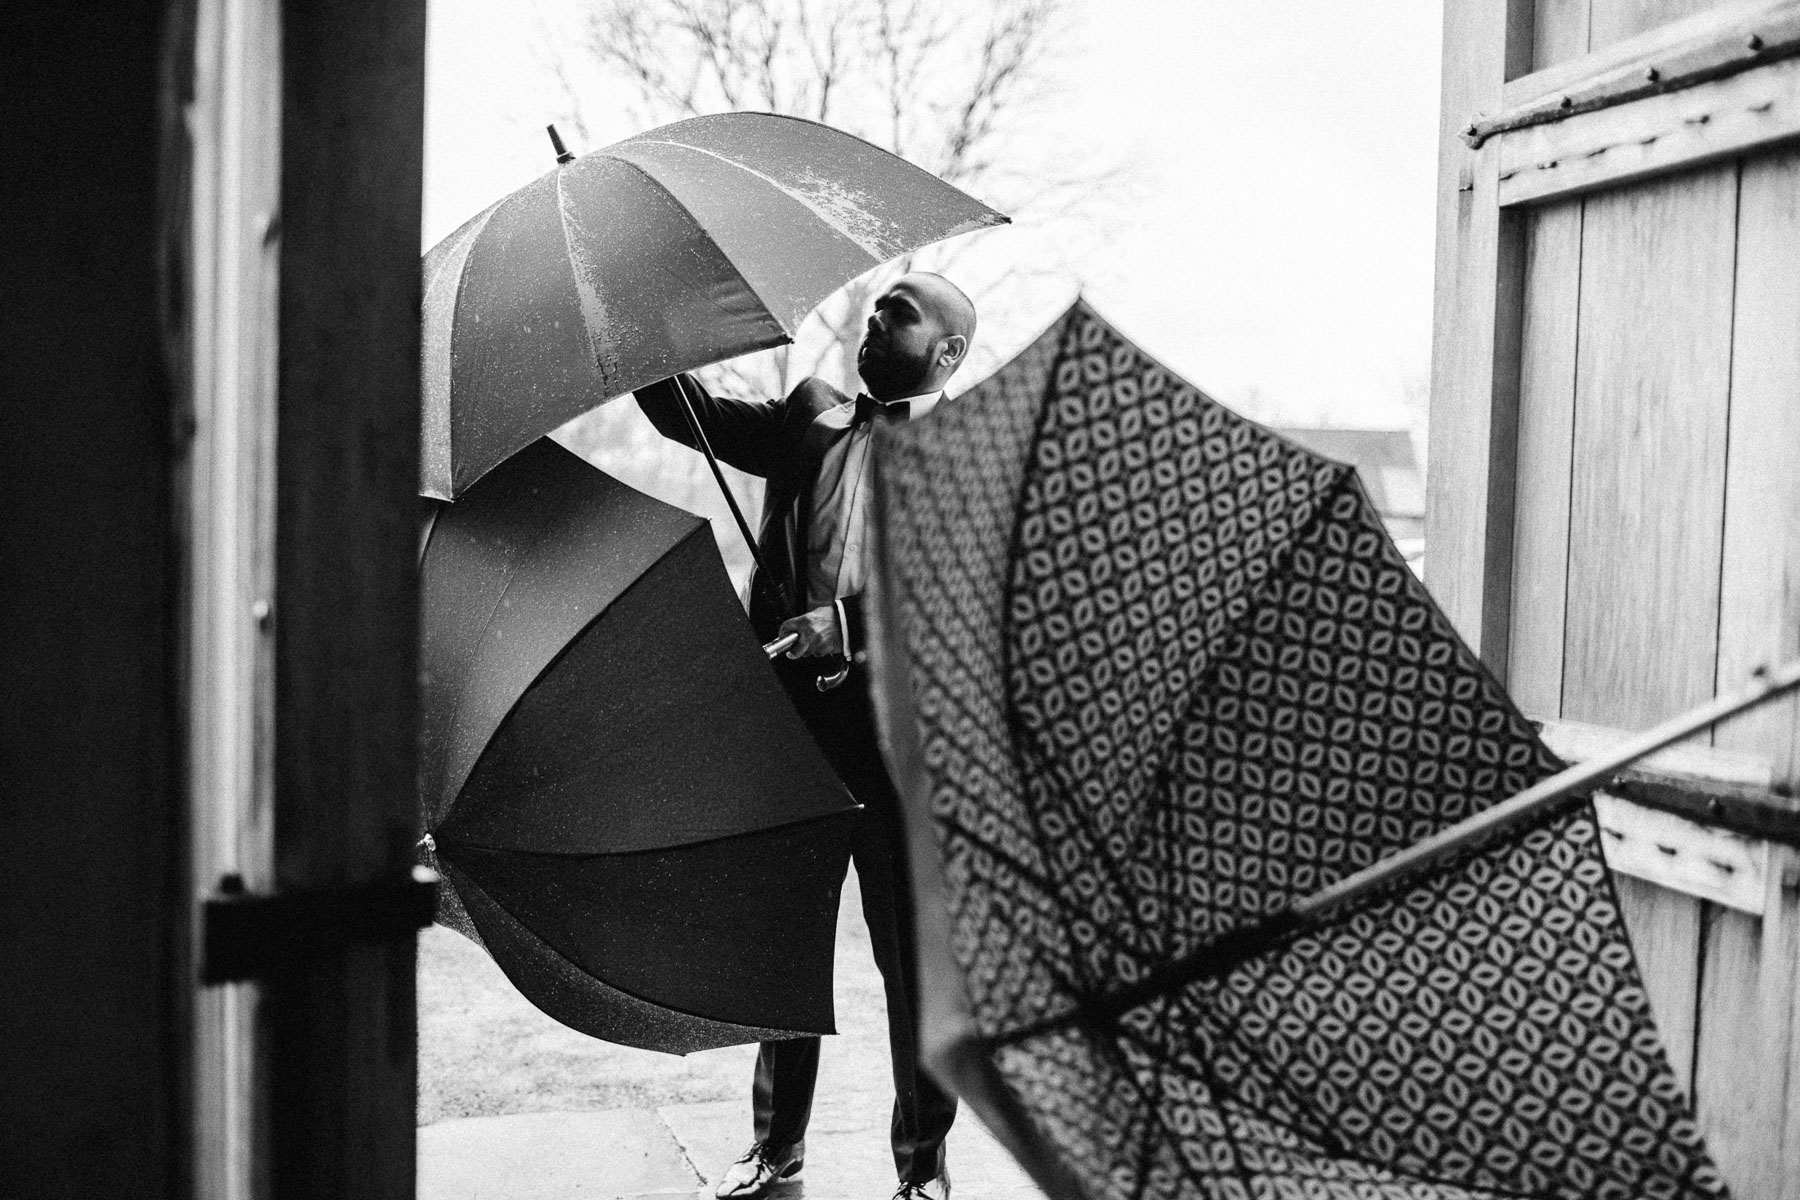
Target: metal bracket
x=245, y=936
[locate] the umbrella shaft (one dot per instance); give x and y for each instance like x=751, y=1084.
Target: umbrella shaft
x=737, y=514
x=1534, y=800
x=1303, y=916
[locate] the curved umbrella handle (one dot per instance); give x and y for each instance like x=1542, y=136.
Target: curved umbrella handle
x=824, y=683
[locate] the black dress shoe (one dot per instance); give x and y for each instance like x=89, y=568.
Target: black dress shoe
x=931, y=1189
x=760, y=1169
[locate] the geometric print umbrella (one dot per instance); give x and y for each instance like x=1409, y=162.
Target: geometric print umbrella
x=1152, y=674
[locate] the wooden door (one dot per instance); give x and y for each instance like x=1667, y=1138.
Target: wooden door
x=1614, y=505
x=295, y=156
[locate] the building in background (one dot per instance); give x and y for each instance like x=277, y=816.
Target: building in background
x=1390, y=473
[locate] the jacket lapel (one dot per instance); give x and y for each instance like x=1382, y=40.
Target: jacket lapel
x=818, y=416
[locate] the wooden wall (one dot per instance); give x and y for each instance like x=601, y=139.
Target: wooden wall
x=98, y=738
x=1615, y=504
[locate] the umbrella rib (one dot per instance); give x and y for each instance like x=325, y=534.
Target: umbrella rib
x=973, y=223
x=1041, y=881
x=1242, y=942
x=818, y=211
x=462, y=687
x=488, y=620
x=1023, y=742
x=480, y=223
x=515, y=918
x=621, y=854
x=787, y=334
x=1319, y=1125
x=1024, y=739
x=1155, y=1122
x=1327, y=1145
x=1274, y=928
x=1230, y=1031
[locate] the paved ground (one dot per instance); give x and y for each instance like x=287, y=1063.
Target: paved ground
x=513, y=1106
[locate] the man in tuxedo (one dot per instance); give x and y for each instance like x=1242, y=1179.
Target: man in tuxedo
x=812, y=447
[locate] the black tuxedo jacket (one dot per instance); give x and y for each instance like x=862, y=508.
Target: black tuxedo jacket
x=784, y=441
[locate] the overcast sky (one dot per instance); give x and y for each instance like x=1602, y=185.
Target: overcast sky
x=1278, y=248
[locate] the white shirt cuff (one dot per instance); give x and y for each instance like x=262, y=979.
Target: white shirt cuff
x=843, y=627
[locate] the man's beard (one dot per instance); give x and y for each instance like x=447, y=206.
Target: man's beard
x=892, y=377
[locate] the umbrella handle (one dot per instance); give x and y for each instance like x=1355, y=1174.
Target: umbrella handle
x=782, y=644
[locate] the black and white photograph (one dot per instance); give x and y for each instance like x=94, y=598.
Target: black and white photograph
x=901, y=599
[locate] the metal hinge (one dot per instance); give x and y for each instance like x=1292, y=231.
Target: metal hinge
x=247, y=936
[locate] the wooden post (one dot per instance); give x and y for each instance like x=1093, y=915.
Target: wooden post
x=229, y=125
x=1476, y=330
x=344, y=1027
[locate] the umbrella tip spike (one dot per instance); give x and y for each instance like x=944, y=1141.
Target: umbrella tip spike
x=562, y=151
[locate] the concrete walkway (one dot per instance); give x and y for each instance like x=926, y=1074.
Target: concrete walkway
x=677, y=1151
x=516, y=1107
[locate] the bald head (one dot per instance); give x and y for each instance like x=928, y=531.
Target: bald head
x=949, y=303
x=917, y=336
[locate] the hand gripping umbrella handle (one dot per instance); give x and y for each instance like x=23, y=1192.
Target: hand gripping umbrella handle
x=824, y=683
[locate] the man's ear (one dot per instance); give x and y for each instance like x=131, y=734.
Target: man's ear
x=951, y=351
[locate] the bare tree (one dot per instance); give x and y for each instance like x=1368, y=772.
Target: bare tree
x=963, y=92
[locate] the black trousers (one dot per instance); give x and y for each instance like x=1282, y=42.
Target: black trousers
x=843, y=725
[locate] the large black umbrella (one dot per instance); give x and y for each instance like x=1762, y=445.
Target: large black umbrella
x=682, y=246
x=629, y=815
x=1152, y=674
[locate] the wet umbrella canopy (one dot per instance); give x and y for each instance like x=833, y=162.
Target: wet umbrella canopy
x=626, y=808
x=683, y=246
x=1151, y=673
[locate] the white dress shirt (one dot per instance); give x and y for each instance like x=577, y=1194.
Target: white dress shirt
x=837, y=542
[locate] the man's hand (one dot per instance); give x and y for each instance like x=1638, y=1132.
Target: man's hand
x=817, y=630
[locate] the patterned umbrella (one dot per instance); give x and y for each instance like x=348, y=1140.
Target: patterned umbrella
x=1152, y=673
x=682, y=246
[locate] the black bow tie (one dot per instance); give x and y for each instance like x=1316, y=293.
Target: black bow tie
x=867, y=406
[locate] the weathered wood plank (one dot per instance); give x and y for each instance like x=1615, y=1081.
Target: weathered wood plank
x=1646, y=509
x=234, y=122
x=1741, y=1084
x=1665, y=935
x=1576, y=742
x=1759, y=598
x=1614, y=21
x=1475, y=329
x=1785, y=866
x=1564, y=59
x=1559, y=34
x=1545, y=442
x=1760, y=603
x=1651, y=136
x=1682, y=855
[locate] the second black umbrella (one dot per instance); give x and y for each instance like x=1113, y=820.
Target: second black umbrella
x=632, y=820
